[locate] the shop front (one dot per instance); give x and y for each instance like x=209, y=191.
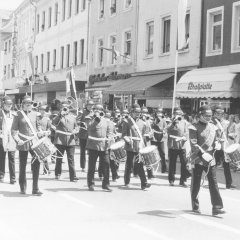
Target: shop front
x=219, y=85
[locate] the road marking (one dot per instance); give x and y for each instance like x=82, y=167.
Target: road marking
x=148, y=231
x=76, y=200
x=208, y=223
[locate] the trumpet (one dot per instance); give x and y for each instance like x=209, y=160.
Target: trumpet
x=35, y=104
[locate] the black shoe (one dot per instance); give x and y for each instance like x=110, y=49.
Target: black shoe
x=197, y=211
x=106, y=187
x=37, y=193
x=171, y=183
x=1, y=180
x=57, y=177
x=231, y=187
x=146, y=185
x=12, y=181
x=91, y=188
x=216, y=211
x=151, y=176
x=183, y=184
x=75, y=179
x=23, y=192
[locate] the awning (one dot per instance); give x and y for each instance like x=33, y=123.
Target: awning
x=138, y=84
x=100, y=86
x=218, y=82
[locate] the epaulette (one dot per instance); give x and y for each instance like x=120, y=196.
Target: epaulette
x=192, y=127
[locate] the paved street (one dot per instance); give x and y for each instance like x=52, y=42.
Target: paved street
x=69, y=210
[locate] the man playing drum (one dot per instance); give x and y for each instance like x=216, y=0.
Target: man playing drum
x=133, y=131
x=24, y=130
x=222, y=125
x=7, y=143
x=203, y=136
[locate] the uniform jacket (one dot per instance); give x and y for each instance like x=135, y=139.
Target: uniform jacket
x=45, y=123
x=83, y=123
x=158, y=128
x=130, y=131
x=178, y=129
x=6, y=138
x=20, y=125
x=99, y=129
x=203, y=135
x=66, y=124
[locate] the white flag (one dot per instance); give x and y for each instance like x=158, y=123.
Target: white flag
x=182, y=11
x=68, y=91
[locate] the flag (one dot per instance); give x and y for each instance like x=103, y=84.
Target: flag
x=71, y=85
x=114, y=51
x=182, y=12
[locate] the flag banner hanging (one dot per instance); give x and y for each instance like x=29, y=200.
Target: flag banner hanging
x=68, y=92
x=71, y=85
x=182, y=11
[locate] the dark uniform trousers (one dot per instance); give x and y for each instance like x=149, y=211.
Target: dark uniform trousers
x=83, y=143
x=219, y=156
x=131, y=161
x=173, y=154
x=216, y=199
x=35, y=167
x=103, y=161
x=11, y=163
x=161, y=150
x=70, y=150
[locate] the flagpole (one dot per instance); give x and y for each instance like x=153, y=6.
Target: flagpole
x=175, y=81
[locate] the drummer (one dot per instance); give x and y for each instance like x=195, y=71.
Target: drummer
x=24, y=131
x=202, y=139
x=133, y=131
x=45, y=124
x=222, y=125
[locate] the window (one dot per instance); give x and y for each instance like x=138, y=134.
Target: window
x=43, y=20
x=101, y=9
x=82, y=51
x=62, y=57
x=127, y=4
x=214, y=31
x=36, y=64
x=68, y=56
x=166, y=28
x=9, y=72
x=187, y=27
x=63, y=10
x=42, y=62
x=113, y=41
x=149, y=38
x=49, y=17
x=75, y=53
x=236, y=27
x=56, y=14
x=77, y=6
x=6, y=48
x=54, y=59
x=113, y=7
x=38, y=23
x=48, y=61
x=9, y=46
x=127, y=46
x=69, y=8
x=83, y=7
x=99, y=53
x=5, y=70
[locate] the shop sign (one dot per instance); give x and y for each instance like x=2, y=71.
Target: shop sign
x=111, y=76
x=199, y=86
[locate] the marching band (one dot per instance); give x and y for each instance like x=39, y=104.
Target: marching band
x=136, y=138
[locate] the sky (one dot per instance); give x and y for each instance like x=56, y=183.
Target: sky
x=10, y=4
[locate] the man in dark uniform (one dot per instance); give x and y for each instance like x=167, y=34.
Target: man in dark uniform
x=26, y=130
x=133, y=131
x=7, y=143
x=66, y=128
x=177, y=137
x=83, y=134
x=203, y=136
x=222, y=125
x=98, y=145
x=159, y=128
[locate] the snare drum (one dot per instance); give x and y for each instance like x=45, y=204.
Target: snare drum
x=44, y=148
x=233, y=155
x=150, y=156
x=118, y=151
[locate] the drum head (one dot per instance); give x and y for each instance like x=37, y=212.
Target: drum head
x=232, y=148
x=117, y=145
x=147, y=149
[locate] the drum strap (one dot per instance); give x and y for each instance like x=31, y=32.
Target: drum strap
x=98, y=139
x=64, y=133
x=29, y=123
